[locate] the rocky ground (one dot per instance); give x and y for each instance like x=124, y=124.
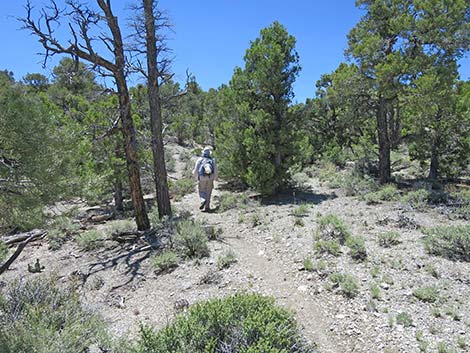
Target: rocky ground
x=270, y=246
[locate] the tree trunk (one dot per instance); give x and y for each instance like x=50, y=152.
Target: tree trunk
x=128, y=130
x=384, y=142
x=395, y=127
x=81, y=16
x=132, y=159
x=160, y=174
x=434, y=167
x=118, y=197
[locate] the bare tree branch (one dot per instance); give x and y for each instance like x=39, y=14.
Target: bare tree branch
x=30, y=237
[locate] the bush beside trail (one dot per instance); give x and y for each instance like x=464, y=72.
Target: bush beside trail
x=240, y=323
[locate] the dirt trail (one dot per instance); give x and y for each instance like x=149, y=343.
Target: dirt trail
x=272, y=276
x=122, y=286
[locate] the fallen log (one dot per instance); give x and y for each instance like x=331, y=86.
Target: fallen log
x=35, y=234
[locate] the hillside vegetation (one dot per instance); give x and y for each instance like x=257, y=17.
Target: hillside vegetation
x=340, y=224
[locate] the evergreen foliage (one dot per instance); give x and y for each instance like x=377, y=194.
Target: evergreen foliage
x=40, y=316
x=35, y=152
x=257, y=141
x=240, y=323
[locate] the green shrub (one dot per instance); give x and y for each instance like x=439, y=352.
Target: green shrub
x=170, y=161
x=61, y=229
x=417, y=199
x=348, y=284
x=443, y=347
x=332, y=227
x=461, y=342
x=229, y=201
x=3, y=251
x=427, y=294
x=90, y=240
x=191, y=239
x=375, y=271
x=225, y=260
x=357, y=248
x=56, y=238
x=385, y=193
x=451, y=242
x=357, y=184
x=66, y=225
x=121, y=226
x=327, y=173
x=181, y=187
x=155, y=220
x=165, y=261
x=404, y=319
x=453, y=313
x=255, y=220
x=308, y=264
x=300, y=181
x=331, y=247
x=299, y=222
x=240, y=323
x=39, y=316
x=375, y=291
x=462, y=202
x=300, y=211
x=388, y=239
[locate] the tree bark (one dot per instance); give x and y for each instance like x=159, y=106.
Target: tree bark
x=434, y=167
x=34, y=234
x=160, y=174
x=118, y=197
x=20, y=248
x=132, y=159
x=128, y=130
x=395, y=127
x=81, y=45
x=384, y=142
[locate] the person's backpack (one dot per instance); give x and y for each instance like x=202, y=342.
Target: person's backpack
x=206, y=167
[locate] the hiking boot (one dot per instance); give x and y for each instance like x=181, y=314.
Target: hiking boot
x=203, y=204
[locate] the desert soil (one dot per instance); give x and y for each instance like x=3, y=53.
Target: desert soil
x=122, y=285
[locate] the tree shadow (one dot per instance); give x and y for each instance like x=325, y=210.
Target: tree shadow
x=132, y=258
x=232, y=186
x=294, y=196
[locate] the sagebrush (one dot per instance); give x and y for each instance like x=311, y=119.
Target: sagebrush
x=240, y=323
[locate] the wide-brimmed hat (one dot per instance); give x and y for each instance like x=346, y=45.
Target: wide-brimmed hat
x=207, y=151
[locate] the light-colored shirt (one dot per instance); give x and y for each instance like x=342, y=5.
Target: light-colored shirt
x=197, y=166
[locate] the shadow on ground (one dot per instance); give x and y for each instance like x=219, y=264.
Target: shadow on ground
x=132, y=258
x=295, y=197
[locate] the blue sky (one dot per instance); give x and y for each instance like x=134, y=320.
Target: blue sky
x=211, y=36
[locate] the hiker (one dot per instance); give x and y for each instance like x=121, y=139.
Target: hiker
x=205, y=171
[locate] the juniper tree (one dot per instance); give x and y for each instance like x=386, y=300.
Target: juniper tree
x=257, y=139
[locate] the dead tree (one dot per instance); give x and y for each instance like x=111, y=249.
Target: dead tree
x=24, y=239
x=86, y=27
x=149, y=40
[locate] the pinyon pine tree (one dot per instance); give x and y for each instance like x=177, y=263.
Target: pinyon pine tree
x=257, y=140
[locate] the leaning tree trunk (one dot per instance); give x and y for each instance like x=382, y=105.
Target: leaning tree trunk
x=80, y=45
x=132, y=160
x=384, y=142
x=118, y=197
x=160, y=174
x=128, y=130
